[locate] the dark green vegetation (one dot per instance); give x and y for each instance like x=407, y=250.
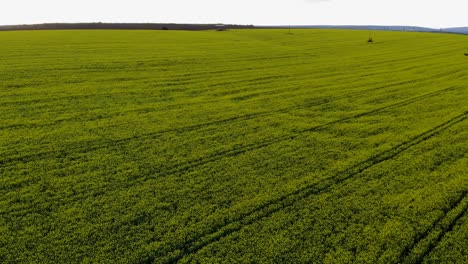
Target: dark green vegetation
x=240, y=146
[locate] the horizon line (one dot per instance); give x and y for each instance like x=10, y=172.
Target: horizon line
x=255, y=25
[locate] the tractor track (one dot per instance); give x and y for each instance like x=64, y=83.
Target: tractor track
x=91, y=145
x=151, y=109
x=100, y=144
x=184, y=166
x=194, y=245
x=429, y=239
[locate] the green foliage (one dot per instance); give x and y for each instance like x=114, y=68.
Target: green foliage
x=248, y=146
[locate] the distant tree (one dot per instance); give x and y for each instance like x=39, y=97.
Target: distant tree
x=165, y=28
x=370, y=39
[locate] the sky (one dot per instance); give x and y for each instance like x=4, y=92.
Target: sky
x=427, y=13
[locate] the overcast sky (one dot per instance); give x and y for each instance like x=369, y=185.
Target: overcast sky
x=429, y=13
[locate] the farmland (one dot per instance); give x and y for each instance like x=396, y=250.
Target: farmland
x=251, y=146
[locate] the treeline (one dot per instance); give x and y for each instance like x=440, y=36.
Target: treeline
x=128, y=26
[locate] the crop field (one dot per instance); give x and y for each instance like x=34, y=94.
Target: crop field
x=244, y=146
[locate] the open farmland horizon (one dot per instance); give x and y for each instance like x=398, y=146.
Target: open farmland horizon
x=182, y=26
x=241, y=146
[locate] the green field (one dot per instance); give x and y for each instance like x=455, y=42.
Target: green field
x=245, y=146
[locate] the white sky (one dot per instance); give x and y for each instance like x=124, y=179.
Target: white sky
x=429, y=13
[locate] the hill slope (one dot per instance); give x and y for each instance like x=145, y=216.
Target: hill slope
x=238, y=146
x=368, y=27
x=461, y=30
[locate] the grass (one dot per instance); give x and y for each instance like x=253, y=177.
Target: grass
x=238, y=146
